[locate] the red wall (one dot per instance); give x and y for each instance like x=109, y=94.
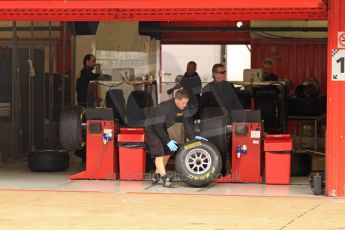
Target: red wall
x=335, y=133
x=296, y=60
x=204, y=37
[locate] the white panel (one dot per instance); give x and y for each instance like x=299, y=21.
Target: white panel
x=176, y=57
x=238, y=59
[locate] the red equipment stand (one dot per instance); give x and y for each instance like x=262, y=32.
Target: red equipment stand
x=246, y=153
x=132, y=153
x=101, y=155
x=277, y=158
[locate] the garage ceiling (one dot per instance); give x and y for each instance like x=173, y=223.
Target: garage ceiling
x=162, y=10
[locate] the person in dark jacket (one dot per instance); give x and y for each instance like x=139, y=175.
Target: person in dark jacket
x=219, y=92
x=86, y=75
x=191, y=82
x=267, y=67
x=160, y=144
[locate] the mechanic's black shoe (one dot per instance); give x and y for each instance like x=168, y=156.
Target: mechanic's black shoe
x=168, y=183
x=157, y=179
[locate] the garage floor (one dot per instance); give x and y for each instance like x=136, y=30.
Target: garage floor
x=50, y=201
x=103, y=211
x=16, y=176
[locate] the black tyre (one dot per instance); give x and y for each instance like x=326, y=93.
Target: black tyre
x=115, y=100
x=300, y=164
x=307, y=106
x=138, y=104
x=317, y=183
x=213, y=127
x=267, y=101
x=48, y=161
x=71, y=133
x=244, y=98
x=198, y=163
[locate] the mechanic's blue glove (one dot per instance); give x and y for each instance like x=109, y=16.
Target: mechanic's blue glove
x=200, y=138
x=172, y=146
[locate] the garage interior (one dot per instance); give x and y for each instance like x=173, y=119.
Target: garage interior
x=34, y=93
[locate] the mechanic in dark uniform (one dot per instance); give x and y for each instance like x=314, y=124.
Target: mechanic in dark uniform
x=221, y=94
x=267, y=67
x=191, y=82
x=86, y=75
x=160, y=144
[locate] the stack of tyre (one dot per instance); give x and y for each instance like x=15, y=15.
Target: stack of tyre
x=307, y=100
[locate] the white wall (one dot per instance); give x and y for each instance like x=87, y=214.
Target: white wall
x=176, y=57
x=122, y=37
x=238, y=59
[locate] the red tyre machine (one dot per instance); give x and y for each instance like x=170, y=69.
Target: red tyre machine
x=112, y=152
x=247, y=158
x=127, y=162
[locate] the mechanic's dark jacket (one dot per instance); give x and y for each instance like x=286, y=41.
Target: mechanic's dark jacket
x=86, y=75
x=219, y=94
x=164, y=116
x=271, y=77
x=193, y=86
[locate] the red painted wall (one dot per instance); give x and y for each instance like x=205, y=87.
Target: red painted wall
x=295, y=60
x=204, y=37
x=335, y=133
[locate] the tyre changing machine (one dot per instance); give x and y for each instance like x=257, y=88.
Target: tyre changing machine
x=101, y=154
x=105, y=143
x=246, y=154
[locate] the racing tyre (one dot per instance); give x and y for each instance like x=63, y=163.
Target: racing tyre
x=138, y=104
x=71, y=134
x=198, y=163
x=115, y=100
x=48, y=161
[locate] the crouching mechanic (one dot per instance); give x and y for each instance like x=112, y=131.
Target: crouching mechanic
x=160, y=143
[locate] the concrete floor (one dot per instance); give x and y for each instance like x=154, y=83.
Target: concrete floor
x=16, y=176
x=50, y=201
x=93, y=210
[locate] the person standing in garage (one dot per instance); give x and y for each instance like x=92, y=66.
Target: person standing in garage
x=86, y=75
x=220, y=94
x=191, y=82
x=267, y=67
x=160, y=142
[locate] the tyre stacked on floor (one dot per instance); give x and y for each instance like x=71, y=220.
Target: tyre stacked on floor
x=48, y=161
x=71, y=137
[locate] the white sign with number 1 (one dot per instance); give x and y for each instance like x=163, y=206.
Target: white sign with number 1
x=338, y=64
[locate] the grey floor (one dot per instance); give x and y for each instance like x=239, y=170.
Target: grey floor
x=17, y=176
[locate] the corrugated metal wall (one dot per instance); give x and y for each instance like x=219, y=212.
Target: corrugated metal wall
x=295, y=60
x=335, y=133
